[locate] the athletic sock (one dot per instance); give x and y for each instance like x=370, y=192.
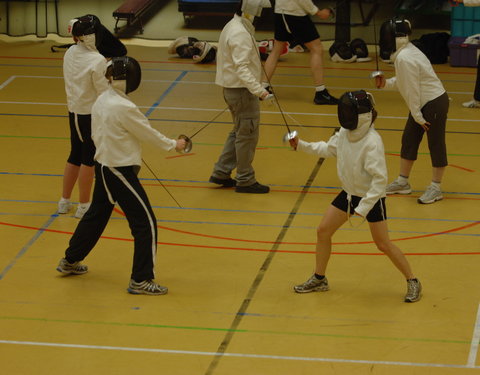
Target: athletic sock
x=435, y=185
x=402, y=179
x=319, y=277
x=320, y=88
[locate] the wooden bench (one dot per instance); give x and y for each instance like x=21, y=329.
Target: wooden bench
x=132, y=12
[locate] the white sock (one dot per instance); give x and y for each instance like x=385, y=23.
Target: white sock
x=84, y=205
x=402, y=180
x=435, y=185
x=320, y=88
x=64, y=200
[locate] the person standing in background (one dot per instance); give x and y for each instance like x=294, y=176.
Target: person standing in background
x=84, y=66
x=292, y=21
x=475, y=102
x=239, y=71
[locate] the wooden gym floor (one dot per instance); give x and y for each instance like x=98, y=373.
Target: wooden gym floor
x=230, y=260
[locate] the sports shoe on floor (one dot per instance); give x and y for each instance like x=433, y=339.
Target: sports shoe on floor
x=64, y=206
x=397, y=188
x=81, y=210
x=146, y=287
x=324, y=97
x=312, y=285
x=75, y=268
x=255, y=188
x=472, y=104
x=414, y=290
x=227, y=182
x=431, y=195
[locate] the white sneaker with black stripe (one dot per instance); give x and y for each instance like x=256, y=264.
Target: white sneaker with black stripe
x=149, y=287
x=75, y=268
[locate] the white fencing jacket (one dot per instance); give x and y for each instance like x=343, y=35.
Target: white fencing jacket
x=415, y=79
x=238, y=58
x=84, y=74
x=361, y=163
x=296, y=7
x=118, y=128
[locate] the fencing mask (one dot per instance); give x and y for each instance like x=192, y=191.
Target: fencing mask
x=125, y=72
x=85, y=29
x=341, y=52
x=360, y=50
x=393, y=35
x=96, y=37
x=352, y=104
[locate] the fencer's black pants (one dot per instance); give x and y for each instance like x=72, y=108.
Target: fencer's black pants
x=119, y=185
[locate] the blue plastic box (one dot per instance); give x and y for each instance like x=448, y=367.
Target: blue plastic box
x=465, y=21
x=462, y=54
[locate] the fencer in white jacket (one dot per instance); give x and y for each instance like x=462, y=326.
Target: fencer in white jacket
x=362, y=171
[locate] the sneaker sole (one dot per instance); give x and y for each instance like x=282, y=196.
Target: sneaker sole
x=317, y=289
x=402, y=192
x=70, y=272
x=413, y=300
x=136, y=291
x=430, y=202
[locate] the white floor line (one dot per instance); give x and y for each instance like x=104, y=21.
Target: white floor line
x=4, y=84
x=472, y=357
x=237, y=355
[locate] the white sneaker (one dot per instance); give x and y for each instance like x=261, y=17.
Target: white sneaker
x=64, y=205
x=472, y=104
x=81, y=210
x=431, y=195
x=398, y=188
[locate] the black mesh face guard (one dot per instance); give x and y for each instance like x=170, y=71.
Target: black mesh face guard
x=352, y=104
x=127, y=69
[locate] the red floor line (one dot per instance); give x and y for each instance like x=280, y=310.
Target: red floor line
x=462, y=168
x=308, y=243
x=226, y=247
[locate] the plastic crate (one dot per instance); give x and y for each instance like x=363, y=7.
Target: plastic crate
x=462, y=54
x=465, y=21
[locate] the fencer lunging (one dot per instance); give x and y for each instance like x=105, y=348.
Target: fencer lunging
x=362, y=171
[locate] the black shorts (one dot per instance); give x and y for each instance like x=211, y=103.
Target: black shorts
x=301, y=29
x=82, y=148
x=376, y=214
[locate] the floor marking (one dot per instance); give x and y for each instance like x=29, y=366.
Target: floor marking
x=246, y=331
x=9, y=80
x=315, y=114
x=234, y=355
x=165, y=93
x=472, y=357
x=27, y=246
x=221, y=351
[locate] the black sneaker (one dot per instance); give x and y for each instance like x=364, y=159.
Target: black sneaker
x=324, y=97
x=255, y=188
x=227, y=182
